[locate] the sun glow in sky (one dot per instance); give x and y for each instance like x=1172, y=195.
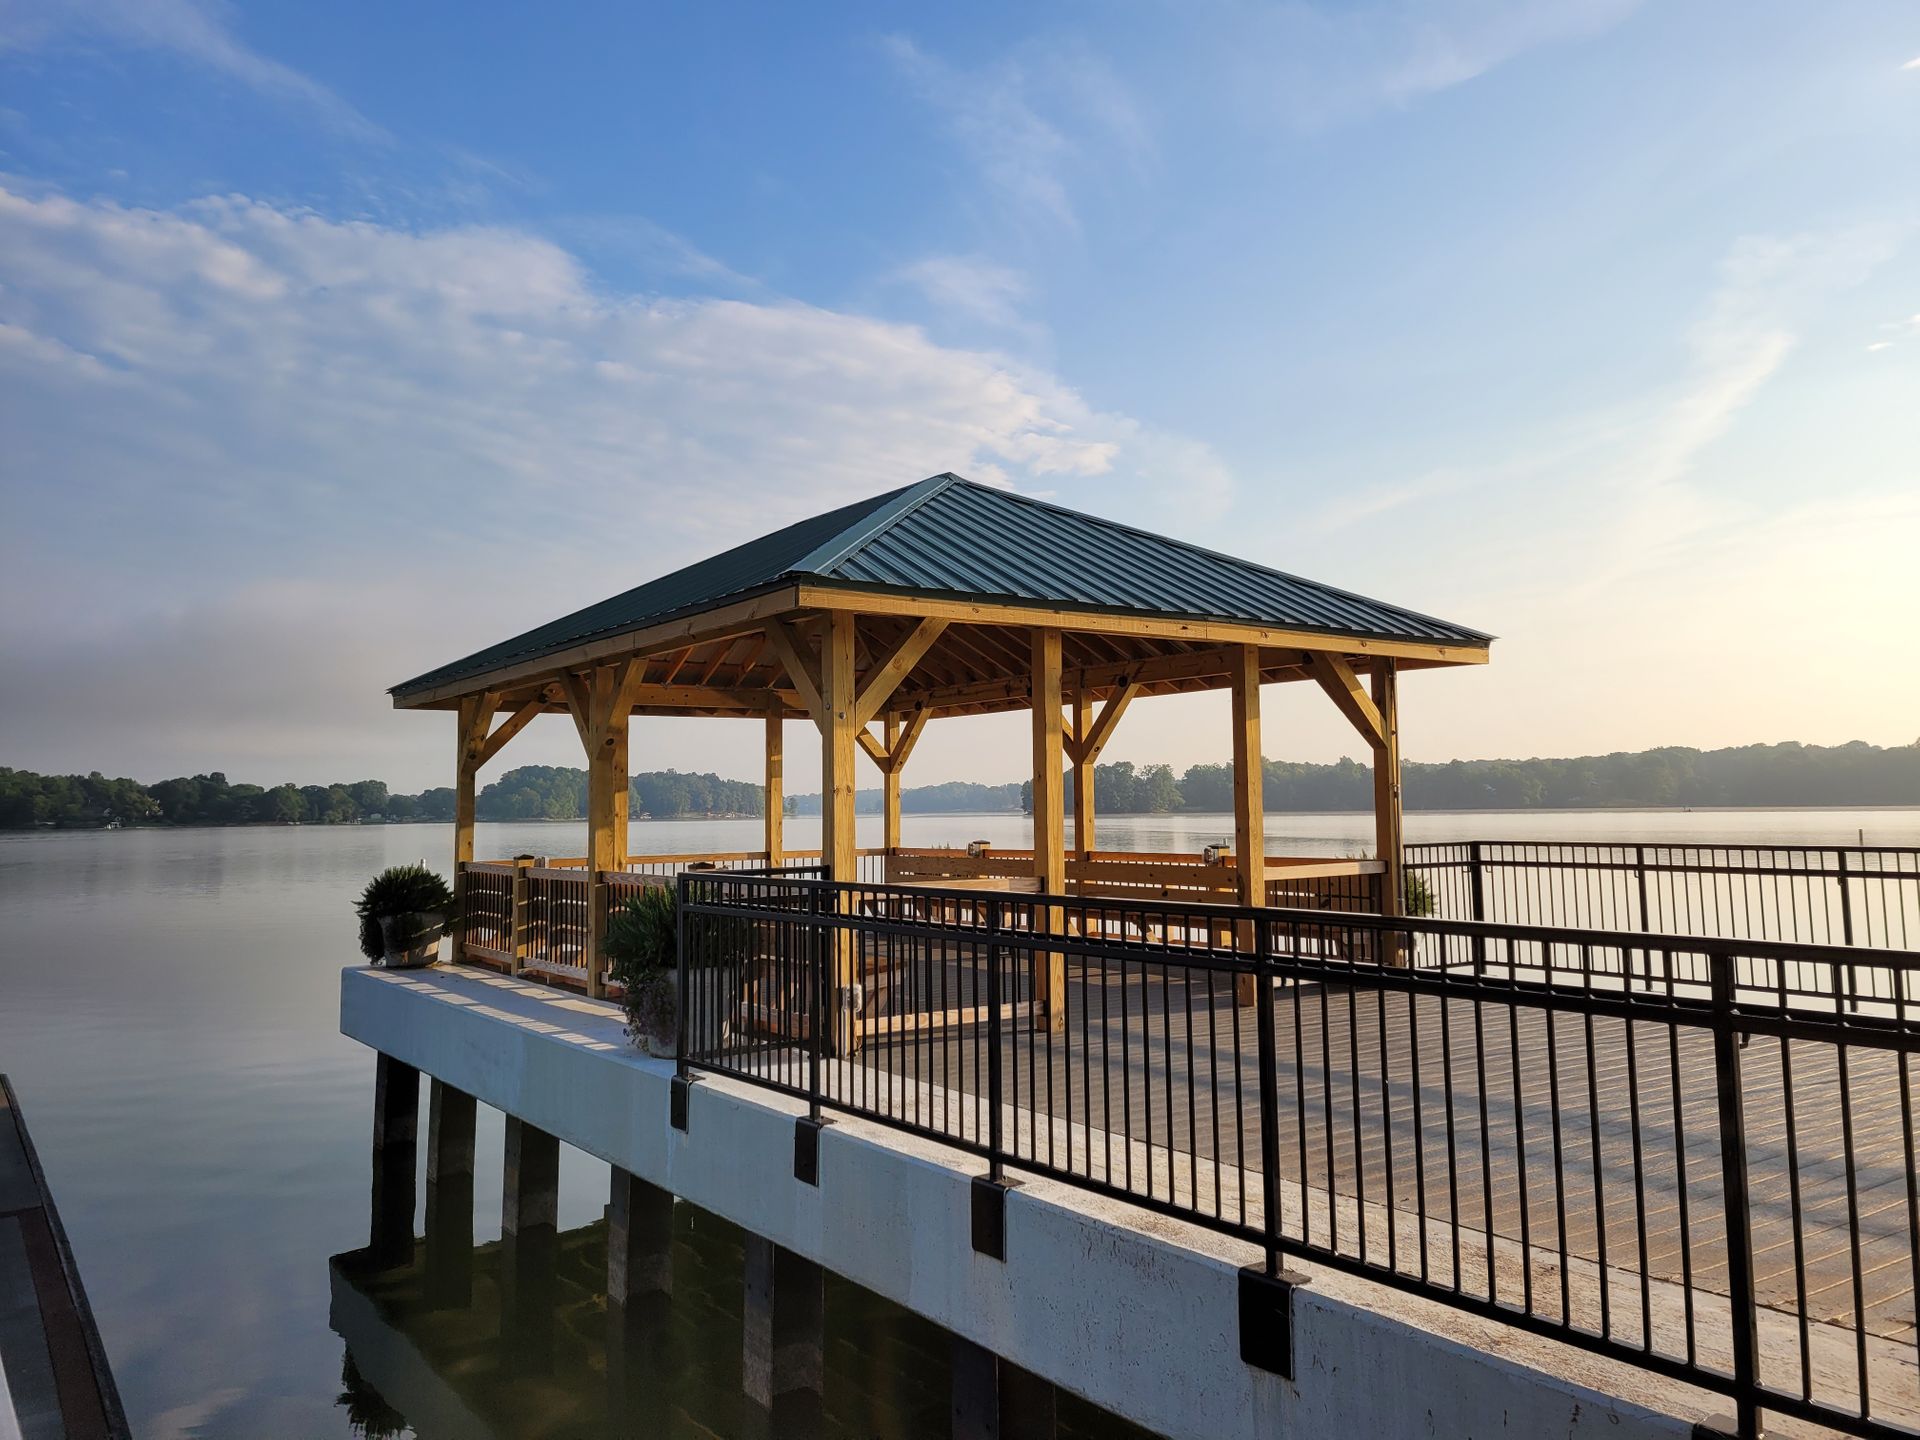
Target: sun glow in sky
x=336, y=342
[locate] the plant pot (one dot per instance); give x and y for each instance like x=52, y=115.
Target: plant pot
x=412, y=941
x=653, y=1012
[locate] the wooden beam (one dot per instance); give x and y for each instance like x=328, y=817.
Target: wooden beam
x=903, y=744
x=1336, y=677
x=885, y=677
x=579, y=705
x=1093, y=741
x=876, y=749
x=1049, y=819
x=510, y=727
x=791, y=649
x=984, y=612
x=1101, y=679
x=776, y=791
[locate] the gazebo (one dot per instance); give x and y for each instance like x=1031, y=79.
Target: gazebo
x=943, y=598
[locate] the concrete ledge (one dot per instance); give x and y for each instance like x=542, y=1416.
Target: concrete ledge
x=1133, y=1312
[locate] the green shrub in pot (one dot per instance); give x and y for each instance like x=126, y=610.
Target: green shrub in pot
x=403, y=913
x=642, y=951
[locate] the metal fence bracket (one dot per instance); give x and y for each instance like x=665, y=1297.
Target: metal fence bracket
x=1266, y=1319
x=990, y=1216
x=677, y=1102
x=806, y=1149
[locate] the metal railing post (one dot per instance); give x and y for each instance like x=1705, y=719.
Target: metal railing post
x=683, y=967
x=814, y=954
x=996, y=1168
x=1846, y=929
x=1477, y=875
x=1738, y=1215
x=1646, y=920
x=1269, y=1095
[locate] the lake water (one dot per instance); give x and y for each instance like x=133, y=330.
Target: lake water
x=168, y=1012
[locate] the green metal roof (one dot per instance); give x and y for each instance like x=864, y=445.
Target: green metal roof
x=950, y=538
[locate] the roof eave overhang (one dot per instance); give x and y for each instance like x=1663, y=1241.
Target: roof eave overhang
x=743, y=611
x=749, y=610
x=1011, y=610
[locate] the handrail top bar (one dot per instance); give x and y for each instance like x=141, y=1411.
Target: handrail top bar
x=1759, y=845
x=1223, y=913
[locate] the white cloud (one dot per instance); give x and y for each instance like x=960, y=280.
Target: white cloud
x=194, y=30
x=969, y=286
x=1311, y=65
x=1913, y=64
x=1030, y=122
x=399, y=446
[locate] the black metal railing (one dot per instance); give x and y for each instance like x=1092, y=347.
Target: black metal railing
x=1864, y=895
x=1693, y=1154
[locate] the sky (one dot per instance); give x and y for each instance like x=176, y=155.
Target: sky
x=339, y=341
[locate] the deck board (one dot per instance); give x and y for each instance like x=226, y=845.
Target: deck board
x=1408, y=1077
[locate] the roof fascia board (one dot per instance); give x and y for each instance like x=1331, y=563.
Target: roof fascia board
x=880, y=600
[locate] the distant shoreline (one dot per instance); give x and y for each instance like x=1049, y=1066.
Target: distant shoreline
x=987, y=814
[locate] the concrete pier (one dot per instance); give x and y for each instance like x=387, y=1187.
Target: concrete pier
x=396, y=1157
x=450, y=1128
x=529, y=1225
x=994, y=1399
x=784, y=1323
x=639, y=1240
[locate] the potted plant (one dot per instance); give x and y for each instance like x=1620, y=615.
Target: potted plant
x=643, y=951
x=404, y=911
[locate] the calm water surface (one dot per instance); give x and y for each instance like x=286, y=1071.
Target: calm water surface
x=169, y=1014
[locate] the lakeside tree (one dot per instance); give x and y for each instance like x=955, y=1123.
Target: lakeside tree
x=1750, y=775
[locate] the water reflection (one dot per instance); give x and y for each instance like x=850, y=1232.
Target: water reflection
x=538, y=1352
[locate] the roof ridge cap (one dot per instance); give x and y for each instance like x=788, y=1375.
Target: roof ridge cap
x=842, y=547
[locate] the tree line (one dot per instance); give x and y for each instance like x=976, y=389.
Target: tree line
x=532, y=792
x=1672, y=776
x=1750, y=775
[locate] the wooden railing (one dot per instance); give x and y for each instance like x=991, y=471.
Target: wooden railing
x=1310, y=881
x=532, y=915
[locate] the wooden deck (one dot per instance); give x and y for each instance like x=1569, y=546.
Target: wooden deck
x=1562, y=1133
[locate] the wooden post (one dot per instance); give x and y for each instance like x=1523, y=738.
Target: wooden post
x=838, y=847
x=1386, y=804
x=1249, y=802
x=776, y=790
x=605, y=735
x=474, y=717
x=1084, y=756
x=1049, y=818
x=890, y=788
x=1386, y=787
x=520, y=941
